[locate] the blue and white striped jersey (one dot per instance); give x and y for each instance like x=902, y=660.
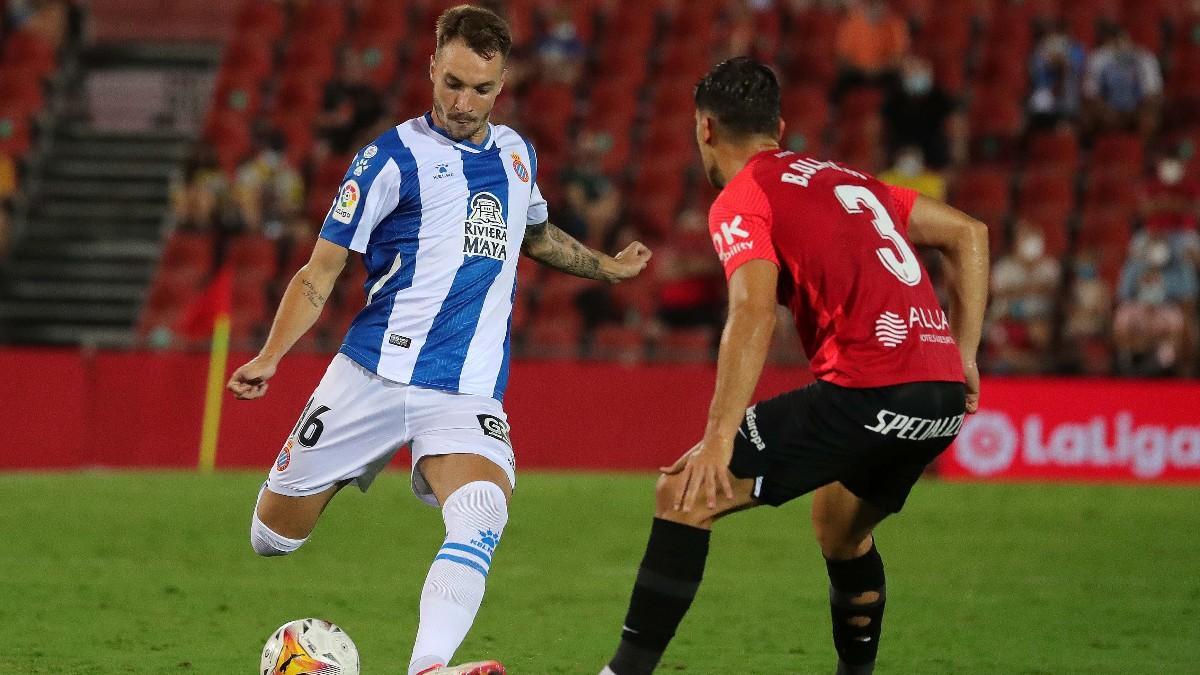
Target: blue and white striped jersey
x=439, y=223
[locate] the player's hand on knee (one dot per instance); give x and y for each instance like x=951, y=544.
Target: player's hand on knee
x=250, y=381
x=706, y=468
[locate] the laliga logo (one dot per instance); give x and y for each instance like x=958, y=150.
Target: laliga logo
x=989, y=442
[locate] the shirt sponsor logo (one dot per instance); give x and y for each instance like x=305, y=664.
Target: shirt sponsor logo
x=346, y=204
x=442, y=170
x=485, y=233
x=732, y=239
x=399, y=340
x=519, y=168
x=890, y=329
x=914, y=428
x=495, y=427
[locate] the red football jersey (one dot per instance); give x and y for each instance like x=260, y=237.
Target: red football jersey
x=864, y=307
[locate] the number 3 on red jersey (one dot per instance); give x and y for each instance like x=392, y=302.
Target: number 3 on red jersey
x=906, y=267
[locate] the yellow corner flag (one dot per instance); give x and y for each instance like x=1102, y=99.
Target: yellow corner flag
x=214, y=304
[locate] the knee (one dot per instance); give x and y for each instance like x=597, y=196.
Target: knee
x=666, y=493
x=477, y=506
x=840, y=545
x=269, y=543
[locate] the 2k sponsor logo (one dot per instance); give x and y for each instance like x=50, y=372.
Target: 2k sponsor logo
x=732, y=239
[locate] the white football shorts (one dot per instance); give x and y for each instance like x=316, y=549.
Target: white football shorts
x=356, y=420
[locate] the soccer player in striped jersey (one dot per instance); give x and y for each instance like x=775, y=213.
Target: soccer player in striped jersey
x=439, y=207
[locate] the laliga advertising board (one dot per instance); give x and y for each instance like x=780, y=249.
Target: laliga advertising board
x=1078, y=429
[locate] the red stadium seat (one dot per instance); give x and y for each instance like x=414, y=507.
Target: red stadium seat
x=619, y=343
x=1110, y=195
x=18, y=91
x=262, y=17
x=377, y=54
x=313, y=62
x=1118, y=154
x=238, y=91
x=251, y=56
x=860, y=103
x=187, y=251
x=29, y=53
x=298, y=96
x=1054, y=151
x=384, y=17
x=319, y=22
x=1104, y=231
x=1047, y=201
x=984, y=194
x=253, y=256
x=688, y=344
x=229, y=133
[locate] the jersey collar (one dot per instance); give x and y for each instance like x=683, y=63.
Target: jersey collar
x=465, y=145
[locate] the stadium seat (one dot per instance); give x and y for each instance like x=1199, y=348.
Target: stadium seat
x=262, y=17
x=229, y=134
x=319, y=22
x=298, y=96
x=996, y=113
x=983, y=193
x=619, y=343
x=238, y=91
x=187, y=251
x=1056, y=151
x=1120, y=154
x=305, y=60
x=1103, y=231
x=1110, y=195
x=18, y=91
x=1047, y=200
x=249, y=55
x=382, y=17
x=687, y=345
x=377, y=54
x=559, y=338
x=253, y=256
x=30, y=54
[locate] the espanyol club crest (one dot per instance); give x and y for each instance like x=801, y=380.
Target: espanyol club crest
x=519, y=168
x=284, y=458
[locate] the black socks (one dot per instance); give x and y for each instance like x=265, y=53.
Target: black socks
x=856, y=599
x=666, y=584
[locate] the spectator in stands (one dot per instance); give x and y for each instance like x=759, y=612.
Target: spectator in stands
x=1157, y=289
x=690, y=280
x=560, y=52
x=1089, y=313
x=1171, y=204
x=918, y=112
x=203, y=200
x=910, y=171
x=593, y=204
x=1123, y=87
x=351, y=108
x=1056, y=71
x=871, y=42
x=1025, y=284
x=270, y=192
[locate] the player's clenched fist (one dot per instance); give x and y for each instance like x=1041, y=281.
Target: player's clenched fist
x=250, y=381
x=630, y=262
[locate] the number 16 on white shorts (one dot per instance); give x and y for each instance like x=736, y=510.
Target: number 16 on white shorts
x=356, y=420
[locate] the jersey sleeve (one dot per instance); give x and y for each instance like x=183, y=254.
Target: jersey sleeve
x=740, y=223
x=902, y=200
x=539, y=211
x=369, y=192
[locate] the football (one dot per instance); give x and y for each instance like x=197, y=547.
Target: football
x=307, y=646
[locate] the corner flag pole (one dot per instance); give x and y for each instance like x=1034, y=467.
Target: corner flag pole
x=221, y=298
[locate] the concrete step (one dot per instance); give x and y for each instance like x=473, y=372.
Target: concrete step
x=153, y=190
x=111, y=170
x=80, y=313
x=76, y=291
x=89, y=210
x=132, y=150
x=102, y=229
x=138, y=250
x=82, y=271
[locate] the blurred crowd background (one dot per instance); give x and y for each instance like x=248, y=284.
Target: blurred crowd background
x=1069, y=126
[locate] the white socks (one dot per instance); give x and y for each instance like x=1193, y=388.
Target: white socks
x=475, y=516
x=268, y=542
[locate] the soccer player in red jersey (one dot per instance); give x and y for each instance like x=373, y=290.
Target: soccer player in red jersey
x=894, y=373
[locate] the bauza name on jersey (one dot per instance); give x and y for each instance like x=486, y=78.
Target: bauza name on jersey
x=439, y=223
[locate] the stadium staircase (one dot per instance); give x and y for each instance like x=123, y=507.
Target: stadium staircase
x=98, y=203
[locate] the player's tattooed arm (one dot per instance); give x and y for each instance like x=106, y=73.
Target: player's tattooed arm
x=549, y=245
x=314, y=298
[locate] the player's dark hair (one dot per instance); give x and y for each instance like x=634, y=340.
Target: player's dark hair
x=482, y=29
x=743, y=95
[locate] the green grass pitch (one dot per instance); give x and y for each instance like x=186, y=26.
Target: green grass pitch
x=152, y=573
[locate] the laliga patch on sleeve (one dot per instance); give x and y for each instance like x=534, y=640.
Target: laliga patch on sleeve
x=347, y=202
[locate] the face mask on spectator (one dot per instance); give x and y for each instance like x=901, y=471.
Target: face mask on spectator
x=1158, y=253
x=918, y=83
x=1170, y=171
x=1031, y=247
x=910, y=164
x=1152, y=292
